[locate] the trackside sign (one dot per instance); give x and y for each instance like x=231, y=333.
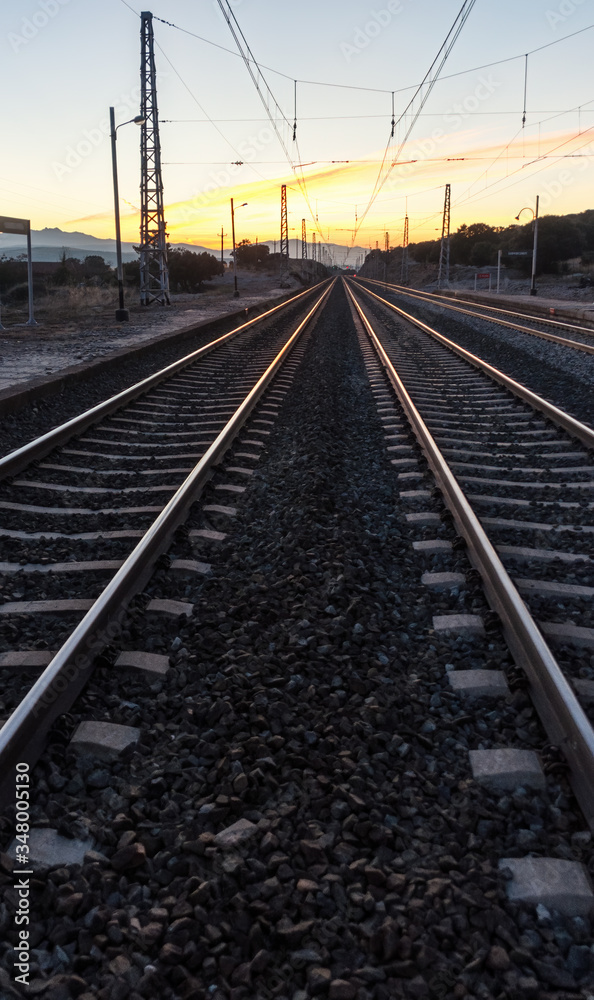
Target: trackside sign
x=20, y=227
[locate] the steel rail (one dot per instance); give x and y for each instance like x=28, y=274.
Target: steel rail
x=569, y=424
x=564, y=720
x=16, y=461
x=23, y=735
x=437, y=299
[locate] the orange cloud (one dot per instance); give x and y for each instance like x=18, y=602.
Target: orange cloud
x=335, y=191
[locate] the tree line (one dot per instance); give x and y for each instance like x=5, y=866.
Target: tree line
x=187, y=270
x=187, y=273
x=560, y=238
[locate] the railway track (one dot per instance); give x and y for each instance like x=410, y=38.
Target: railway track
x=137, y=462
x=510, y=476
x=277, y=788
x=571, y=335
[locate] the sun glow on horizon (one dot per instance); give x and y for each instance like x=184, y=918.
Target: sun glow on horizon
x=337, y=192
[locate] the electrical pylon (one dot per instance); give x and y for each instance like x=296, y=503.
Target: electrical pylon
x=303, y=240
x=404, y=271
x=284, y=237
x=314, y=248
x=444, y=250
x=154, y=273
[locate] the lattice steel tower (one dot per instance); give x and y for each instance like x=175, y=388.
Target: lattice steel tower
x=284, y=237
x=303, y=240
x=404, y=271
x=154, y=274
x=444, y=251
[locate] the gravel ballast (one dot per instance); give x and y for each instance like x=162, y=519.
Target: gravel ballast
x=299, y=818
x=41, y=414
x=562, y=375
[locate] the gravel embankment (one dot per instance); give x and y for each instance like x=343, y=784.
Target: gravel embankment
x=308, y=697
x=70, y=332
x=40, y=416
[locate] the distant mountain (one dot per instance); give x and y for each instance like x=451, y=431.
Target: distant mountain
x=49, y=253
x=49, y=245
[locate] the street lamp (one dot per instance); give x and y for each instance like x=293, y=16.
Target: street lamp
x=235, y=293
x=535, y=216
x=121, y=313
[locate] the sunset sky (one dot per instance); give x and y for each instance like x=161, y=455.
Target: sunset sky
x=64, y=62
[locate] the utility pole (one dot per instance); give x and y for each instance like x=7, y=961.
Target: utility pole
x=314, y=249
x=154, y=273
x=404, y=271
x=386, y=251
x=444, y=251
x=534, y=249
x=284, y=237
x=303, y=240
x=222, y=235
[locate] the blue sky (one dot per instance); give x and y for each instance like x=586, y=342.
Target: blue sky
x=64, y=62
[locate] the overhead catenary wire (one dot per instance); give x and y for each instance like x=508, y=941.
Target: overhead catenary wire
x=296, y=80
x=538, y=159
x=319, y=83
x=445, y=77
x=374, y=90
x=428, y=81
x=505, y=150
x=209, y=119
x=550, y=155
x=327, y=118
x=401, y=163
x=525, y=90
x=250, y=61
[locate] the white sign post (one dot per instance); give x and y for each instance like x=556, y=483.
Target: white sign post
x=20, y=227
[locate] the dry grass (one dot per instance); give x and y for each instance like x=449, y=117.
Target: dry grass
x=73, y=304
x=70, y=310
x=64, y=306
